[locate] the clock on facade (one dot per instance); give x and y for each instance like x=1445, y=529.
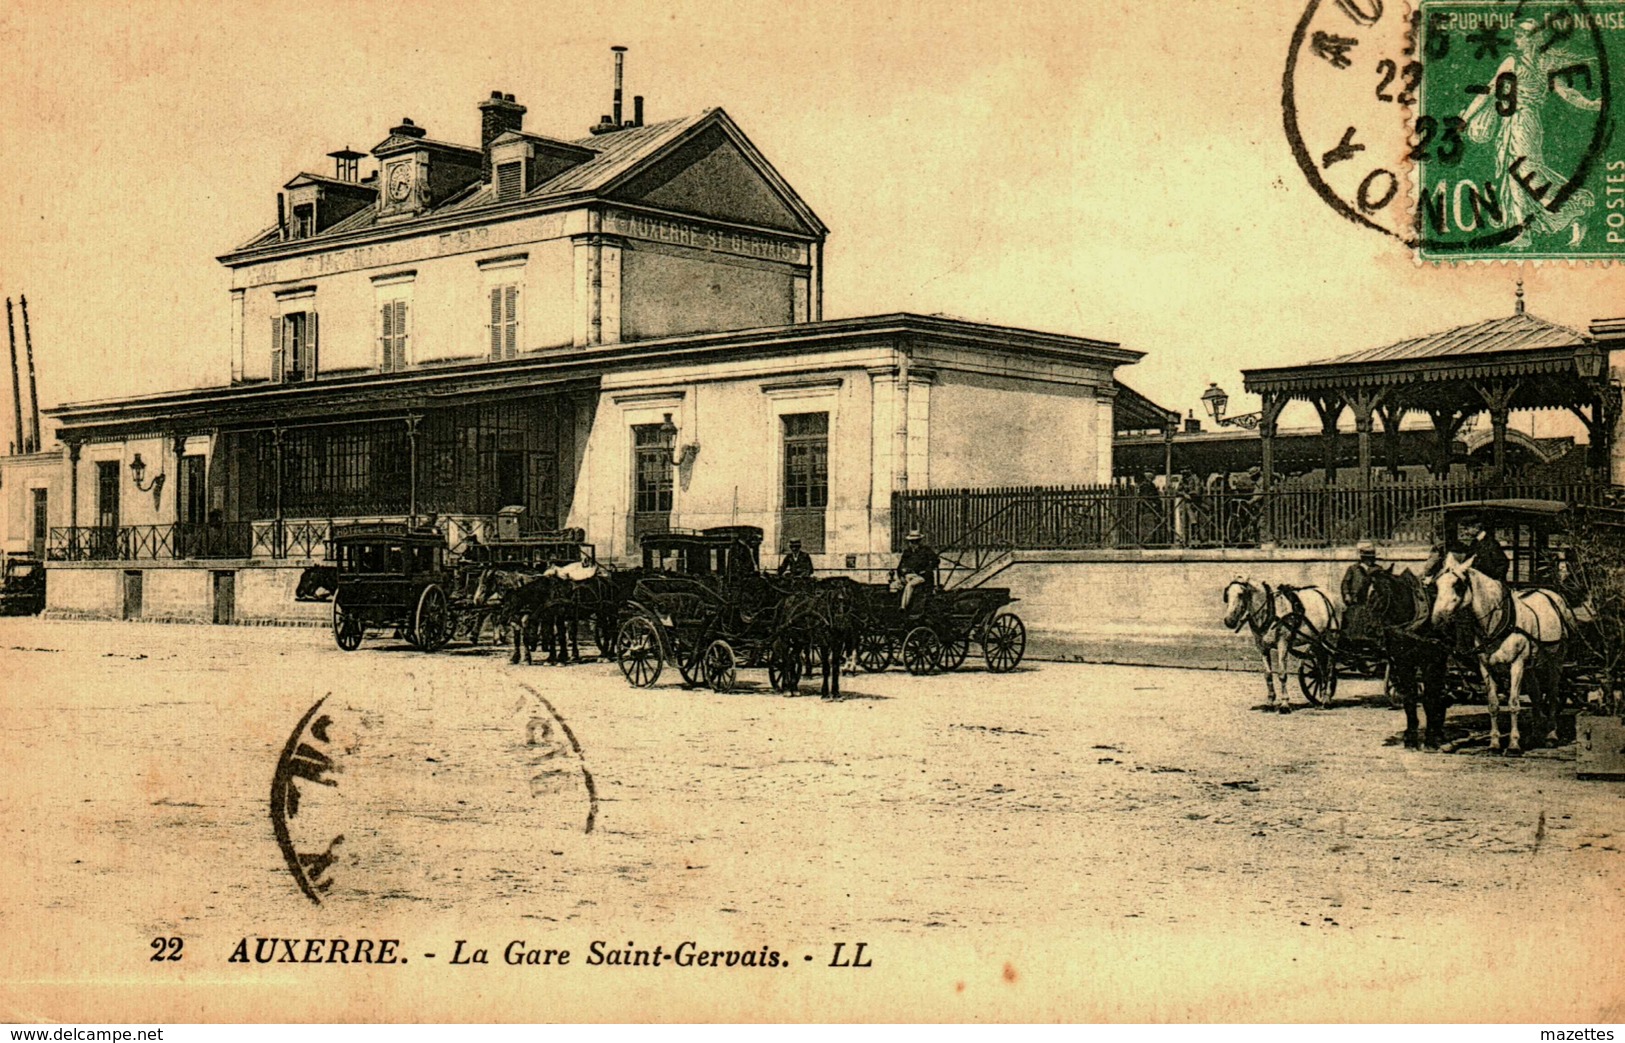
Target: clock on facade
x=400, y=182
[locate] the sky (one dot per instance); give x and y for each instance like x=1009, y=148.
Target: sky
x=1110, y=169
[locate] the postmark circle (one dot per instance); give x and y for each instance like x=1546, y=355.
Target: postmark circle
x=1373, y=103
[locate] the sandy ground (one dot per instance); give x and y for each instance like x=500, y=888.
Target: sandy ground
x=1068, y=841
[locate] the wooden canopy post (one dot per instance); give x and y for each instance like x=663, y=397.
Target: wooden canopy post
x=1498, y=397
x=1446, y=423
x=1330, y=408
x=1268, y=419
x=1392, y=416
x=1364, y=402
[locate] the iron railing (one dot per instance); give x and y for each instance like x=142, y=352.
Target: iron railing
x=297, y=538
x=980, y=523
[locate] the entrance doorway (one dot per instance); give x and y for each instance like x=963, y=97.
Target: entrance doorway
x=132, y=595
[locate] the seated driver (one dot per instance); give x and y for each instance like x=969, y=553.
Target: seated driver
x=917, y=568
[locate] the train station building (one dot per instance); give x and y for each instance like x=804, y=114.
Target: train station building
x=621, y=332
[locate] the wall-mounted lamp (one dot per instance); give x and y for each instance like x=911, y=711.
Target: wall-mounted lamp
x=138, y=471
x=1215, y=399
x=1590, y=361
x=668, y=436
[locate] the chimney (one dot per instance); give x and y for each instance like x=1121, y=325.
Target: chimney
x=620, y=61
x=408, y=129
x=637, y=111
x=281, y=217
x=498, y=115
x=18, y=446
x=33, y=388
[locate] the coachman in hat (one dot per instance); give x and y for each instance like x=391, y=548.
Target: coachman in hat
x=917, y=568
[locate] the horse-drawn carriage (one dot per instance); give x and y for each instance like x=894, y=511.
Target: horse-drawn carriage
x=520, y=558
x=22, y=586
x=701, y=603
x=392, y=577
x=935, y=632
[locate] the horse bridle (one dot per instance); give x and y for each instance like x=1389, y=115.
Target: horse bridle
x=1267, y=609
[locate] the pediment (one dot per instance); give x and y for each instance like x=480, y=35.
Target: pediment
x=710, y=175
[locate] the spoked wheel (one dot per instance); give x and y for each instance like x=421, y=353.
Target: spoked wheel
x=874, y=652
x=638, y=652
x=922, y=651
x=1004, y=642
x=1317, y=679
x=720, y=666
x=347, y=628
x=785, y=666
x=954, y=651
x=431, y=625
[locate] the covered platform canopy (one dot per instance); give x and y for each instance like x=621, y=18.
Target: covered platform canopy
x=1497, y=366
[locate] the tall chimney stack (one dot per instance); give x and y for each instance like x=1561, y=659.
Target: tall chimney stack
x=16, y=387
x=620, y=61
x=33, y=388
x=637, y=110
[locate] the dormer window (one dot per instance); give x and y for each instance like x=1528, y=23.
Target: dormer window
x=304, y=221
x=510, y=180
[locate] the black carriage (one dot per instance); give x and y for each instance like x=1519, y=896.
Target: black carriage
x=22, y=587
x=937, y=629
x=391, y=577
x=701, y=603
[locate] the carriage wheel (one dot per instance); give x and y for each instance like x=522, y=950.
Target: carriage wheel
x=921, y=651
x=874, y=652
x=347, y=628
x=431, y=625
x=720, y=666
x=1004, y=642
x=954, y=651
x=1317, y=679
x=785, y=666
x=638, y=652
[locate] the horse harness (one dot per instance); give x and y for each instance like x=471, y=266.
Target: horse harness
x=1507, y=625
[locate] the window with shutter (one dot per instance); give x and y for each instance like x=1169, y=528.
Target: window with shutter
x=276, y=349
x=392, y=335
x=504, y=327
x=510, y=180
x=295, y=346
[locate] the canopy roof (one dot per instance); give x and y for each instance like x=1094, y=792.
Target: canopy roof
x=1529, y=357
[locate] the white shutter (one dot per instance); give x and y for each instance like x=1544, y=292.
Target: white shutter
x=496, y=323
x=510, y=325
x=276, y=349
x=386, y=338
x=310, y=345
x=401, y=328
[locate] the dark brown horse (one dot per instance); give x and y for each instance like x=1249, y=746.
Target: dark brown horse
x=1395, y=610
x=821, y=618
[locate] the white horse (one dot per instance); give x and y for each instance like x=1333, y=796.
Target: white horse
x=1514, y=633
x=1277, y=618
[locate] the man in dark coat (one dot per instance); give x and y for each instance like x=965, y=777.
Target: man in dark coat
x=796, y=563
x=1487, y=554
x=918, y=567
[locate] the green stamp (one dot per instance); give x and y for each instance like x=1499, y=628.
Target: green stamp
x=1515, y=140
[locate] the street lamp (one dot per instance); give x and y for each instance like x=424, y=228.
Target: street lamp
x=668, y=437
x=138, y=469
x=1215, y=399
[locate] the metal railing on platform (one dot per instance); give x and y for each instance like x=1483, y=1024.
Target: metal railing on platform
x=295, y=538
x=991, y=521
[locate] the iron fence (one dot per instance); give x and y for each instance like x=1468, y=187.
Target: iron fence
x=277, y=539
x=984, y=521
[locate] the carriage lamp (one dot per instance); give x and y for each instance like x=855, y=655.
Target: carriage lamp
x=138, y=470
x=668, y=435
x=1215, y=399
x=1590, y=361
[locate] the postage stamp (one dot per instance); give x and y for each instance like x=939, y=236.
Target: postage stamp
x=1513, y=138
